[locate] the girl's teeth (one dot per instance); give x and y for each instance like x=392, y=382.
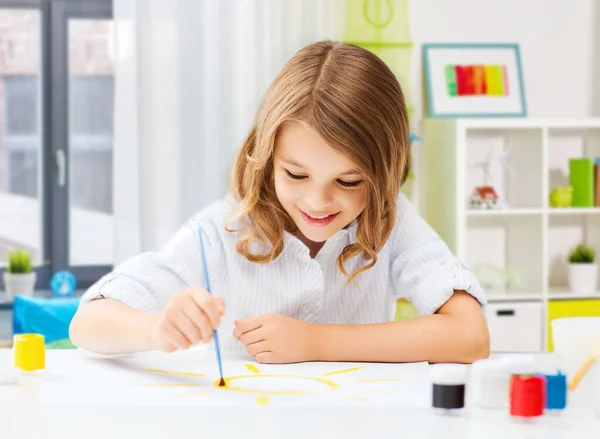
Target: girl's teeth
x=318, y=217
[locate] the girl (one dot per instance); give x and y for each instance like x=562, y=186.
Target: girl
x=309, y=254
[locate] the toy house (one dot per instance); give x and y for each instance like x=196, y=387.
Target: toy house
x=484, y=197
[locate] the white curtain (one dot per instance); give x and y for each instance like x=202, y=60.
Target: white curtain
x=189, y=76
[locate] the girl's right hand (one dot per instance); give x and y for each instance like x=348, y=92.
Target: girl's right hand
x=189, y=317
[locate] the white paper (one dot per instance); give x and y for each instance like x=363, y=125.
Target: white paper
x=190, y=379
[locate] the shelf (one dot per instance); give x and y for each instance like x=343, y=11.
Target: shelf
x=564, y=233
x=534, y=211
x=504, y=252
x=504, y=212
x=511, y=123
x=518, y=249
x=514, y=297
x=575, y=211
x=510, y=161
x=562, y=293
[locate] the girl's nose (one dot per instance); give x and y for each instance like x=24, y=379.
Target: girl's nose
x=319, y=200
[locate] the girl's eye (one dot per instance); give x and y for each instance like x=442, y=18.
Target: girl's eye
x=350, y=183
x=295, y=176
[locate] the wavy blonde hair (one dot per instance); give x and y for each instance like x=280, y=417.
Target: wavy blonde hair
x=355, y=103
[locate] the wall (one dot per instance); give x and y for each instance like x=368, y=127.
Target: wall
x=596, y=71
x=556, y=39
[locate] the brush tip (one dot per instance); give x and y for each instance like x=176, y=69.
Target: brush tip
x=222, y=382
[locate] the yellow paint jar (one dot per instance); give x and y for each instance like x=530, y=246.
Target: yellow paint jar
x=30, y=352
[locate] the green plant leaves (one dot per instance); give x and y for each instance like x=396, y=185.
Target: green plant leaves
x=19, y=262
x=582, y=254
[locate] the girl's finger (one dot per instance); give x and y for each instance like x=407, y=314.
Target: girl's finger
x=257, y=348
x=175, y=337
x=265, y=357
x=198, y=318
x=188, y=328
x=249, y=324
x=209, y=305
x=253, y=336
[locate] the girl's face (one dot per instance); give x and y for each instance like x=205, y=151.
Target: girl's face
x=320, y=189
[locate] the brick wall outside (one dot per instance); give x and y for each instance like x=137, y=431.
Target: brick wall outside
x=20, y=51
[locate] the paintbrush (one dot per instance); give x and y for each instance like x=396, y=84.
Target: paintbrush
x=215, y=333
x=587, y=364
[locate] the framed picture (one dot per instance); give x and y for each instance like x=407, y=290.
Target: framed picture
x=474, y=80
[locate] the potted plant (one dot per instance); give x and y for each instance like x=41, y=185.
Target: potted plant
x=19, y=277
x=583, y=271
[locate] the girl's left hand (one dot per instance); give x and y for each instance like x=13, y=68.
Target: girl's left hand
x=275, y=338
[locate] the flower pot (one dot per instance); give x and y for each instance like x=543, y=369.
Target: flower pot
x=22, y=284
x=583, y=278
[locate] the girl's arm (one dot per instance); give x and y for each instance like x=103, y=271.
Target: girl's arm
x=108, y=326
x=456, y=333
x=153, y=300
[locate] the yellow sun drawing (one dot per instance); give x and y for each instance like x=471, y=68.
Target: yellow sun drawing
x=324, y=383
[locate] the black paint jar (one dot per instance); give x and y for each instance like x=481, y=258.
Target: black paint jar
x=448, y=386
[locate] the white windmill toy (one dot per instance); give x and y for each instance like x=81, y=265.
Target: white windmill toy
x=492, y=195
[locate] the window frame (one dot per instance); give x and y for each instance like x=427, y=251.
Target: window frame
x=54, y=125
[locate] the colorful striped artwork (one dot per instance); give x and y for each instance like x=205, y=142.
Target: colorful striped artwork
x=476, y=80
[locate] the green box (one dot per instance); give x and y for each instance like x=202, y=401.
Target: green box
x=581, y=179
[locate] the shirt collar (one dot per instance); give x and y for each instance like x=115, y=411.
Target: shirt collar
x=344, y=237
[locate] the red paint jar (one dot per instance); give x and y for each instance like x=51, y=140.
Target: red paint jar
x=527, y=395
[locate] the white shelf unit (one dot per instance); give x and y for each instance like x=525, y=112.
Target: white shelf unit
x=527, y=236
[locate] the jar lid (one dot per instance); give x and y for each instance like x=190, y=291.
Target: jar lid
x=490, y=367
x=449, y=374
x=519, y=364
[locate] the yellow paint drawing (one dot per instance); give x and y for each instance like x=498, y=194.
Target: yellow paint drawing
x=228, y=385
x=262, y=400
x=252, y=368
x=291, y=384
x=336, y=372
x=187, y=374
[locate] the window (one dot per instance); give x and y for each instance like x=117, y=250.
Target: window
x=20, y=132
x=56, y=135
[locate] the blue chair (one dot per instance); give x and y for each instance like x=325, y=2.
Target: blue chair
x=49, y=317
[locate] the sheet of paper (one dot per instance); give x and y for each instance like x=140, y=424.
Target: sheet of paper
x=191, y=378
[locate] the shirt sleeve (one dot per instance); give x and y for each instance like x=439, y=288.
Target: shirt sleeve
x=147, y=281
x=424, y=270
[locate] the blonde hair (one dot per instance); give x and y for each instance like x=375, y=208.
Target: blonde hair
x=354, y=102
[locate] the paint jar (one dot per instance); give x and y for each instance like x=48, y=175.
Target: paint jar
x=448, y=386
x=490, y=382
x=556, y=392
x=527, y=396
x=29, y=353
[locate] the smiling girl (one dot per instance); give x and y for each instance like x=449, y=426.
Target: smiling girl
x=309, y=254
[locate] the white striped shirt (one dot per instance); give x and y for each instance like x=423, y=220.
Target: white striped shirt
x=414, y=263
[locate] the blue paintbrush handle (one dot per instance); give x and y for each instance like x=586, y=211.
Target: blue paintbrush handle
x=216, y=336
x=207, y=280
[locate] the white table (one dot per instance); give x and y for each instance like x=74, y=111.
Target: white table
x=22, y=417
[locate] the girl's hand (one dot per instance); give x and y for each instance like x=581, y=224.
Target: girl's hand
x=189, y=317
x=274, y=338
